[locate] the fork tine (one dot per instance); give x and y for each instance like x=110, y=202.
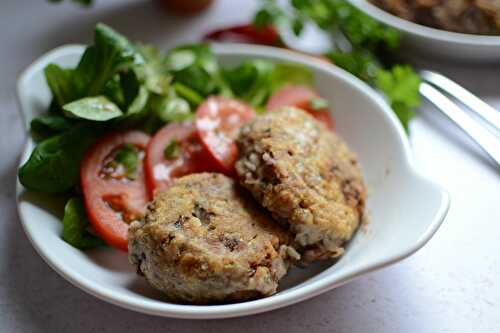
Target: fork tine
x=485, y=139
x=484, y=110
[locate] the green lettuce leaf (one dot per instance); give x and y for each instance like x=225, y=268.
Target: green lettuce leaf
x=60, y=82
x=195, y=66
x=111, y=53
x=98, y=108
x=400, y=85
x=75, y=226
x=54, y=164
x=255, y=80
x=47, y=125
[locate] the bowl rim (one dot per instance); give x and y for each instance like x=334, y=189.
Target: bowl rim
x=422, y=30
x=255, y=306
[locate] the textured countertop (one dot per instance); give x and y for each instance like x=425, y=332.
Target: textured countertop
x=451, y=285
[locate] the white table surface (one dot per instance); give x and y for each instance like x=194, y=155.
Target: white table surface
x=451, y=285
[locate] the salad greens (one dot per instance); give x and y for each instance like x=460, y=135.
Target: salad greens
x=360, y=45
x=254, y=80
x=118, y=85
x=196, y=67
x=48, y=125
x=54, y=164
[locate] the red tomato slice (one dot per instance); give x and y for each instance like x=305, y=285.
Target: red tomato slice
x=112, y=200
x=300, y=97
x=190, y=157
x=218, y=120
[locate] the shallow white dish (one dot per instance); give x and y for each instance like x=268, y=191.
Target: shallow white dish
x=435, y=41
x=404, y=208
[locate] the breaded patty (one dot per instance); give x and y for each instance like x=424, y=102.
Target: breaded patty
x=466, y=16
x=205, y=239
x=306, y=176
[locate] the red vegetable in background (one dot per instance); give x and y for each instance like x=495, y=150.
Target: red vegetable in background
x=247, y=33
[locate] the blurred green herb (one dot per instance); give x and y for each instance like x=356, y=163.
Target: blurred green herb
x=172, y=150
x=196, y=67
x=318, y=104
x=128, y=156
x=255, y=80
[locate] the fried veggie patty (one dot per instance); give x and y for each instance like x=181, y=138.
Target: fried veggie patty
x=205, y=240
x=306, y=176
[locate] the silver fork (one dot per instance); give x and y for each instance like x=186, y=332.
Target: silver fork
x=434, y=86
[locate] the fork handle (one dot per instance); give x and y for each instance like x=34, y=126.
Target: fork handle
x=484, y=138
x=474, y=103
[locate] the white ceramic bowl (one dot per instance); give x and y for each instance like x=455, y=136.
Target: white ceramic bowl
x=434, y=41
x=404, y=208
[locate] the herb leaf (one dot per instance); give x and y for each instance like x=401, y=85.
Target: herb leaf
x=60, y=83
x=173, y=108
x=188, y=94
x=75, y=224
x=251, y=80
x=287, y=73
x=318, y=104
x=195, y=66
x=54, y=164
x=400, y=85
x=359, y=63
x=254, y=80
x=49, y=124
x=98, y=108
x=139, y=103
x=172, y=150
x=111, y=52
x=153, y=73
x=128, y=156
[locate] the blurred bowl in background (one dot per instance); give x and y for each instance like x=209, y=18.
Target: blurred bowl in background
x=431, y=41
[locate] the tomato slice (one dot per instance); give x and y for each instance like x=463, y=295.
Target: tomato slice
x=113, y=199
x=218, y=120
x=188, y=155
x=300, y=97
